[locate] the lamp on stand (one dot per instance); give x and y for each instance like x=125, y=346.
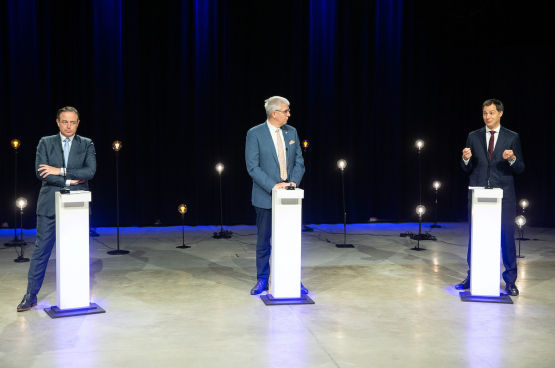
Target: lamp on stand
x=436, y=185
x=420, y=210
x=520, y=221
x=21, y=203
x=15, y=242
x=116, y=146
x=182, y=209
x=222, y=234
x=304, y=146
x=523, y=204
x=342, y=164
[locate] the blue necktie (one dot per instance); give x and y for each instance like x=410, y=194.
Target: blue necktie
x=66, y=150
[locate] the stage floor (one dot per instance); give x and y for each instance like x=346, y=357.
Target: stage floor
x=377, y=305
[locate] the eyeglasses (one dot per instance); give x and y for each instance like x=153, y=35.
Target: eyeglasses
x=73, y=123
x=288, y=111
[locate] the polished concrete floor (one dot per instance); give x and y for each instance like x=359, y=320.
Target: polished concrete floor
x=377, y=305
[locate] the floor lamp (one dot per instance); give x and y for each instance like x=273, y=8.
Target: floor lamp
x=222, y=234
x=342, y=164
x=21, y=203
x=117, y=147
x=520, y=221
x=15, y=242
x=182, y=209
x=436, y=185
x=420, y=210
x=523, y=203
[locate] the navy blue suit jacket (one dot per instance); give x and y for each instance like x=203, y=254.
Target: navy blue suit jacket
x=501, y=172
x=263, y=165
x=81, y=165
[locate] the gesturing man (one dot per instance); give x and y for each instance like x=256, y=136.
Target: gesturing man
x=274, y=160
x=498, y=149
x=64, y=159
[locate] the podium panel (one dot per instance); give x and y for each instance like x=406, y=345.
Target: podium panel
x=485, y=262
x=72, y=250
x=285, y=263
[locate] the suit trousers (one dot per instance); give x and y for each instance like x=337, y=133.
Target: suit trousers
x=508, y=246
x=263, y=246
x=46, y=238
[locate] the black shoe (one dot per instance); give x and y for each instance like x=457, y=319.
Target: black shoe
x=29, y=301
x=303, y=289
x=260, y=286
x=511, y=289
x=463, y=285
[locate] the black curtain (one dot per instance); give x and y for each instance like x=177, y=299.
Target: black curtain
x=179, y=83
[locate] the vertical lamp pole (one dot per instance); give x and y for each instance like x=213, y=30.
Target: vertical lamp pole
x=222, y=234
x=304, y=146
x=342, y=164
x=520, y=221
x=523, y=203
x=21, y=203
x=420, y=210
x=117, y=147
x=15, y=242
x=182, y=209
x=420, y=144
x=436, y=185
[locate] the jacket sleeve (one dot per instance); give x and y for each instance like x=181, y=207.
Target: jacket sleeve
x=468, y=167
x=252, y=159
x=43, y=159
x=298, y=169
x=518, y=165
x=89, y=169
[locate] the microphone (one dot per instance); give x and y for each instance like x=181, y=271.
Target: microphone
x=65, y=189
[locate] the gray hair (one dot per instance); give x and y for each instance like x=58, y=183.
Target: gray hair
x=273, y=104
x=67, y=109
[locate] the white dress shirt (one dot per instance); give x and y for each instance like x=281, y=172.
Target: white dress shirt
x=274, y=138
x=495, y=136
x=62, y=169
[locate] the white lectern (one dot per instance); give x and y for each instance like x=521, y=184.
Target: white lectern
x=285, y=261
x=72, y=256
x=486, y=247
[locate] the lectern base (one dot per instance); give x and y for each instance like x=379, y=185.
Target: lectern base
x=502, y=298
x=268, y=299
x=344, y=245
x=56, y=312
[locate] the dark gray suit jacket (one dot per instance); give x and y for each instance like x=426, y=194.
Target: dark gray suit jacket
x=81, y=165
x=501, y=172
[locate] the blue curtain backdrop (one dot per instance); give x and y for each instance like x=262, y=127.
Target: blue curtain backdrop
x=181, y=82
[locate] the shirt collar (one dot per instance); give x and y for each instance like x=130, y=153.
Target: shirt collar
x=271, y=127
x=496, y=130
x=64, y=138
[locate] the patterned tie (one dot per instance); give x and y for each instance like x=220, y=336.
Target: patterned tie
x=281, y=157
x=66, y=150
x=491, y=141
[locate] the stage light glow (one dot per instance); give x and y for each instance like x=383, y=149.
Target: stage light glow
x=15, y=143
x=419, y=143
x=520, y=221
x=182, y=209
x=342, y=164
x=523, y=203
x=21, y=203
x=420, y=210
x=437, y=185
x=220, y=168
x=305, y=144
x=116, y=146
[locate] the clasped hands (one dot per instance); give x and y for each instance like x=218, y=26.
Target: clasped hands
x=507, y=154
x=284, y=185
x=49, y=170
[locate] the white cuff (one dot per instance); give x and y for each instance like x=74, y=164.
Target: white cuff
x=68, y=183
x=512, y=162
x=465, y=161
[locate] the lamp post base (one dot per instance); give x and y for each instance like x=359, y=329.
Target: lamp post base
x=435, y=226
x=417, y=248
x=93, y=233
x=184, y=246
x=117, y=252
x=307, y=229
x=519, y=256
x=523, y=239
x=224, y=234
x=344, y=245
x=20, y=259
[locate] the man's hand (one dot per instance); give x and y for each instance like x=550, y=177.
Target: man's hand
x=508, y=155
x=282, y=185
x=48, y=170
x=467, y=154
x=75, y=182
